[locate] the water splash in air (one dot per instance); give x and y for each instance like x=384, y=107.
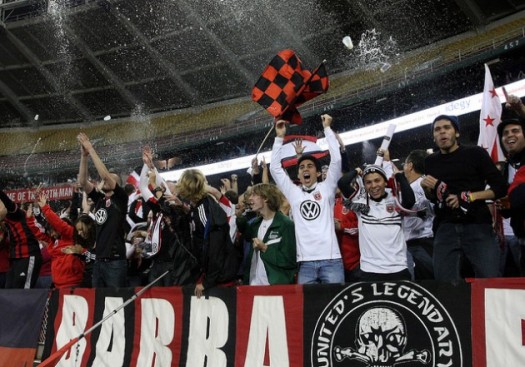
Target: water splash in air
x=29, y=156
x=375, y=52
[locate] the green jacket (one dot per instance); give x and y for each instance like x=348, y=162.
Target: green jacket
x=280, y=259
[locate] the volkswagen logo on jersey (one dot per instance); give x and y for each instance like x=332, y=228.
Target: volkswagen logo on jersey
x=310, y=210
x=101, y=215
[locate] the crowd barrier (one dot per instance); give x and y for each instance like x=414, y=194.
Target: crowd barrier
x=477, y=323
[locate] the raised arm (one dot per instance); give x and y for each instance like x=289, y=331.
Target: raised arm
x=265, y=174
x=83, y=171
x=99, y=165
x=213, y=192
x=408, y=199
x=515, y=104
x=143, y=181
x=277, y=171
x=255, y=172
x=334, y=169
x=159, y=181
x=345, y=183
x=52, y=218
x=235, y=184
x=86, y=207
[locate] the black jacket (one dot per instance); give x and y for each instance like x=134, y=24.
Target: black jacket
x=211, y=239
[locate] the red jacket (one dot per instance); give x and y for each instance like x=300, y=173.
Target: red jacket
x=67, y=270
x=4, y=255
x=349, y=244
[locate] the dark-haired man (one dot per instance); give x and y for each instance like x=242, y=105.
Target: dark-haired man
x=312, y=205
x=111, y=203
x=512, y=139
x=455, y=181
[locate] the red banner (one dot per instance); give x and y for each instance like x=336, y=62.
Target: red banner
x=315, y=325
x=498, y=318
x=269, y=326
x=53, y=193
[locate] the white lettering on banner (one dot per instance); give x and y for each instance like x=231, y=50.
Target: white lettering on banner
x=111, y=342
x=503, y=335
x=355, y=322
x=268, y=321
x=208, y=332
x=21, y=196
x=75, y=311
x=52, y=193
x=357, y=296
x=459, y=105
x=157, y=328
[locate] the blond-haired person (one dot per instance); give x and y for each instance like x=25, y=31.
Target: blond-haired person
x=211, y=242
x=272, y=258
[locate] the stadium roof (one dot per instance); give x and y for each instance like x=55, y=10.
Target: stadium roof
x=177, y=73
x=80, y=60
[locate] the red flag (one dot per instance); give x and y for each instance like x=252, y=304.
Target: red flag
x=285, y=84
x=490, y=117
x=310, y=147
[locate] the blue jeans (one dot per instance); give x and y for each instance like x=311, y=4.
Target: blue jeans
x=110, y=274
x=475, y=241
x=321, y=271
x=419, y=258
x=511, y=253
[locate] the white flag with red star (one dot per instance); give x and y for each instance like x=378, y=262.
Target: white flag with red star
x=489, y=119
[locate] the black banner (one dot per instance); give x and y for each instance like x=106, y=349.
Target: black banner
x=389, y=323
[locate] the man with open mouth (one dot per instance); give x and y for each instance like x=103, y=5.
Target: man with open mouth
x=512, y=139
x=312, y=204
x=456, y=182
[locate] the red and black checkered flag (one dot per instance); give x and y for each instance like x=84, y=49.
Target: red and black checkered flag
x=284, y=85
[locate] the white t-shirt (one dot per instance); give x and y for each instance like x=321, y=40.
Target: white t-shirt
x=258, y=274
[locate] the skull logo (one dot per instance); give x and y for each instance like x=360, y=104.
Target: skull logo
x=381, y=340
x=381, y=335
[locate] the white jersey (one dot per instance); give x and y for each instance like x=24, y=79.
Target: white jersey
x=313, y=212
x=381, y=240
x=413, y=225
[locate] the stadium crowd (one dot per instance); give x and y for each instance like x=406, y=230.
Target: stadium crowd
x=447, y=215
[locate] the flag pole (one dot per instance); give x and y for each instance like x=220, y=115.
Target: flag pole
x=53, y=359
x=290, y=104
x=265, y=138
